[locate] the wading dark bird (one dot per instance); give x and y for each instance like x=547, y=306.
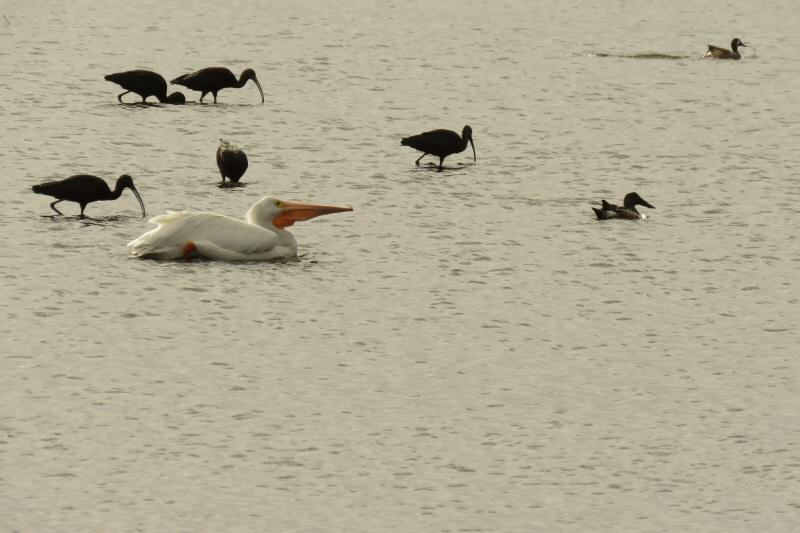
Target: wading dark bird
x=721, y=53
x=440, y=143
x=145, y=83
x=627, y=212
x=214, y=79
x=85, y=189
x=231, y=161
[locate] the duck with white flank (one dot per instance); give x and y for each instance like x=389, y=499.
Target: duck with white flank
x=626, y=212
x=715, y=52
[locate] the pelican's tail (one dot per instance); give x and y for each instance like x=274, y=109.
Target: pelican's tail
x=157, y=243
x=150, y=252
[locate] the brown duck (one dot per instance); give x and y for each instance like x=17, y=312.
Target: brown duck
x=716, y=52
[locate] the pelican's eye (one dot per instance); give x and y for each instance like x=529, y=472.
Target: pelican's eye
x=278, y=203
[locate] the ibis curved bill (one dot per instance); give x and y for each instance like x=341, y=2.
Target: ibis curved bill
x=260, y=236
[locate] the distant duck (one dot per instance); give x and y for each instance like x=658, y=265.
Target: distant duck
x=628, y=211
x=716, y=52
x=440, y=143
x=231, y=161
x=145, y=83
x=84, y=189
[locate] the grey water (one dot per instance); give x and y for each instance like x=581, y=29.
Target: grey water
x=468, y=350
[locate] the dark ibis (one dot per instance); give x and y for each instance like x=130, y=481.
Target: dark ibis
x=231, y=161
x=627, y=212
x=440, y=143
x=214, y=79
x=145, y=83
x=716, y=52
x=85, y=189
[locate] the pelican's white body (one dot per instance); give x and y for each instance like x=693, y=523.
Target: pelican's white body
x=218, y=236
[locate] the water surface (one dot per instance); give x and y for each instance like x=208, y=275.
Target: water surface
x=466, y=351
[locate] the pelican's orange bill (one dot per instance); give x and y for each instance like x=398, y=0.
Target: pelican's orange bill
x=294, y=212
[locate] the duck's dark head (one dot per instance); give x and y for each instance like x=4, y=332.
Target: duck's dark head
x=250, y=74
x=126, y=182
x=466, y=135
x=632, y=199
x=736, y=43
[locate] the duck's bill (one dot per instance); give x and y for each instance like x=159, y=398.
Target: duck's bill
x=647, y=204
x=139, y=197
x=296, y=212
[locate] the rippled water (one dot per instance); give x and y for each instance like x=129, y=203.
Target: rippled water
x=466, y=351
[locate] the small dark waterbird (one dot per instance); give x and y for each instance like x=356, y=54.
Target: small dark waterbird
x=627, y=212
x=214, y=79
x=716, y=52
x=145, y=83
x=85, y=189
x=231, y=161
x=440, y=143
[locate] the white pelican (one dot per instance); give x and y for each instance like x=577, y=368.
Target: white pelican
x=261, y=236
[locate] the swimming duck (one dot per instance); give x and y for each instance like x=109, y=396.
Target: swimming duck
x=716, y=52
x=628, y=211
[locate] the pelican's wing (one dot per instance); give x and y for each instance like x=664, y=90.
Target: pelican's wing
x=215, y=236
